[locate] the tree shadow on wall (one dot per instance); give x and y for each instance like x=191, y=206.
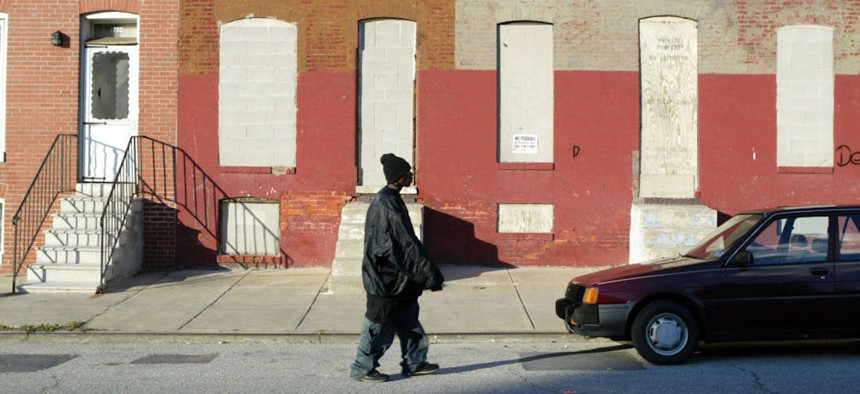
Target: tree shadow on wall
x=451, y=240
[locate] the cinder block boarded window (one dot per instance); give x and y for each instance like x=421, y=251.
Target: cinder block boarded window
x=525, y=92
x=804, y=96
x=257, y=87
x=526, y=218
x=249, y=226
x=3, y=257
x=3, y=40
x=386, y=54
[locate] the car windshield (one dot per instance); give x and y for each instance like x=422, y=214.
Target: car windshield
x=724, y=237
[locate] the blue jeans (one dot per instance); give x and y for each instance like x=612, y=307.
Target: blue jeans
x=376, y=338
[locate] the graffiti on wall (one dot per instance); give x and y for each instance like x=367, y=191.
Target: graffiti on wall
x=845, y=156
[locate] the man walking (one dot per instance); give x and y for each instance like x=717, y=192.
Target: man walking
x=396, y=269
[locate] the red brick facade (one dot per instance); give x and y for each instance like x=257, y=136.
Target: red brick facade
x=591, y=182
x=42, y=84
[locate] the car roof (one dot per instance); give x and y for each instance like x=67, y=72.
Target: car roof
x=807, y=208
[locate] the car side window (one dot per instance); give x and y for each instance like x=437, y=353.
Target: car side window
x=849, y=237
x=793, y=240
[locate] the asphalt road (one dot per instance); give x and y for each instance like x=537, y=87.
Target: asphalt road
x=591, y=367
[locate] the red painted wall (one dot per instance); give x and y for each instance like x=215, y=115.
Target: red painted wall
x=311, y=197
x=737, y=116
x=461, y=183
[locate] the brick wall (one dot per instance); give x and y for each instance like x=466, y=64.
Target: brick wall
x=309, y=225
x=596, y=126
x=734, y=36
x=159, y=235
x=42, y=98
x=328, y=30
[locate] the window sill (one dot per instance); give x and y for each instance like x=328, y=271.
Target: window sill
x=527, y=236
x=526, y=166
x=249, y=259
x=258, y=170
x=804, y=170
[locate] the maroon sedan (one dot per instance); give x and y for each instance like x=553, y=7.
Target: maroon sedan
x=780, y=274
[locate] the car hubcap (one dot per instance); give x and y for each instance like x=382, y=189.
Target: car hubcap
x=667, y=334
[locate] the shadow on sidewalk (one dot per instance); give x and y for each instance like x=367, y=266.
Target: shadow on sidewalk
x=182, y=277
x=528, y=359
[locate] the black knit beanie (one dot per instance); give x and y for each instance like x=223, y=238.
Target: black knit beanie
x=393, y=167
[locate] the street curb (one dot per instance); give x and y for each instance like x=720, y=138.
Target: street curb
x=295, y=338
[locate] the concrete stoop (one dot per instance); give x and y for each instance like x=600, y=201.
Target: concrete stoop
x=70, y=259
x=349, y=250
x=658, y=231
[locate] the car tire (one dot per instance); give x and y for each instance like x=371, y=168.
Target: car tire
x=665, y=333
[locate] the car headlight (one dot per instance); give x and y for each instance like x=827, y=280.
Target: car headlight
x=590, y=296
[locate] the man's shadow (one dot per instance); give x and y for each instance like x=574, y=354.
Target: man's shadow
x=528, y=359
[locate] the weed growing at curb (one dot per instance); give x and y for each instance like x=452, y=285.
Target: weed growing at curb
x=71, y=326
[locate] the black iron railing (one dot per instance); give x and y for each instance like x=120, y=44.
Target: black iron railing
x=56, y=175
x=117, y=206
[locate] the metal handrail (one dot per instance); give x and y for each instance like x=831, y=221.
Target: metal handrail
x=117, y=206
x=57, y=171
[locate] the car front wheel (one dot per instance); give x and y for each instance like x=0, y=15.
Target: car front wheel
x=665, y=333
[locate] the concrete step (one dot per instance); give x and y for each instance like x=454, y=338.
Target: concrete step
x=82, y=204
x=345, y=285
x=68, y=255
x=349, y=248
x=673, y=238
x=77, y=221
x=93, y=189
x=72, y=237
x=50, y=273
x=59, y=287
x=658, y=231
x=346, y=267
x=354, y=212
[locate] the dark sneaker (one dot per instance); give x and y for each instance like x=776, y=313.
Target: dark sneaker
x=372, y=376
x=423, y=369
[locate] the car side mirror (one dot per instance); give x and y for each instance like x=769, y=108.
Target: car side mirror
x=743, y=258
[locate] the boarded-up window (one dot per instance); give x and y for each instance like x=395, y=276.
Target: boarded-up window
x=525, y=93
x=257, y=87
x=386, y=53
x=526, y=218
x=804, y=96
x=669, y=159
x=250, y=227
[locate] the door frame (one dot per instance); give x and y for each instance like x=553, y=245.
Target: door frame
x=90, y=39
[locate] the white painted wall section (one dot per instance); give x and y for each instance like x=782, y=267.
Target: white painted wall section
x=257, y=88
x=387, y=80
x=804, y=96
x=526, y=93
x=526, y=218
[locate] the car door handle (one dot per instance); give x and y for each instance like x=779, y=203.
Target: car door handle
x=819, y=271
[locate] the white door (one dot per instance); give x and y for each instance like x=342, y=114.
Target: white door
x=110, y=109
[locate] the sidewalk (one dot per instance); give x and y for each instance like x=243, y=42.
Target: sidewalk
x=291, y=305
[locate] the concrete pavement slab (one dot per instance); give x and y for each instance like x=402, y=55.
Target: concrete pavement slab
x=62, y=308
x=337, y=313
x=265, y=302
x=539, y=287
x=169, y=304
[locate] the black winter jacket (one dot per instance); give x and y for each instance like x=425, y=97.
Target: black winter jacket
x=395, y=263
